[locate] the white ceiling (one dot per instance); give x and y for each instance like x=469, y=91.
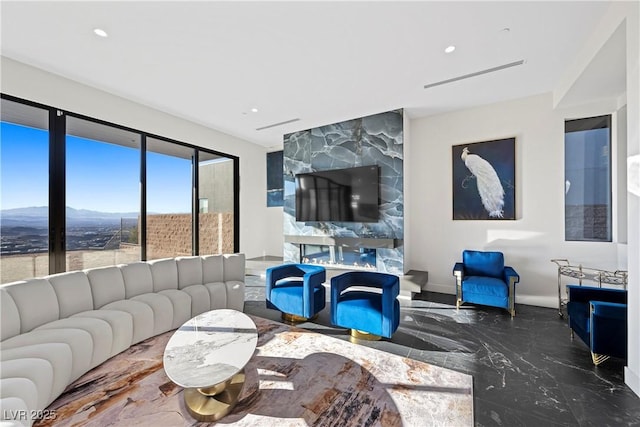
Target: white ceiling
x=320, y=62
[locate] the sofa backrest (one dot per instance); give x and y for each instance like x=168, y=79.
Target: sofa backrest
x=189, y=271
x=36, y=302
x=9, y=316
x=483, y=263
x=234, y=267
x=137, y=277
x=73, y=291
x=213, y=269
x=165, y=274
x=107, y=285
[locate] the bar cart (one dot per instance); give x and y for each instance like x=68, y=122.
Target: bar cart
x=597, y=276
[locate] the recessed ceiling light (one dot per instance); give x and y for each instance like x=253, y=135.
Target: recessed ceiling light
x=100, y=32
x=450, y=49
x=254, y=110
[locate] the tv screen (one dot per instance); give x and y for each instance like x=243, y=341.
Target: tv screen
x=341, y=195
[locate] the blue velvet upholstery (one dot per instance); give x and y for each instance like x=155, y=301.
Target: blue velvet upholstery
x=296, y=289
x=366, y=310
x=482, y=278
x=599, y=317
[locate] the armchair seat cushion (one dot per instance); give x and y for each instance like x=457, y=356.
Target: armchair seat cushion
x=484, y=285
x=362, y=310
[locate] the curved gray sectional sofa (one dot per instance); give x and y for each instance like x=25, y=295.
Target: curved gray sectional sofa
x=56, y=328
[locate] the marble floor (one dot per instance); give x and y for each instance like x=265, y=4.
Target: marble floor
x=526, y=371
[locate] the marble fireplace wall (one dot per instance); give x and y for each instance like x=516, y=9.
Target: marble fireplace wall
x=371, y=140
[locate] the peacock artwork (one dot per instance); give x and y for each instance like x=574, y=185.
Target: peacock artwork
x=484, y=180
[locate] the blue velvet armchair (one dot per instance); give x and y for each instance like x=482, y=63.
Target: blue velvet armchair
x=296, y=290
x=482, y=278
x=599, y=317
x=369, y=314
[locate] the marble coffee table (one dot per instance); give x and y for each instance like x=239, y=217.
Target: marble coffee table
x=206, y=356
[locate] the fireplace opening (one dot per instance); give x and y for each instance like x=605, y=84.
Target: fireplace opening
x=339, y=256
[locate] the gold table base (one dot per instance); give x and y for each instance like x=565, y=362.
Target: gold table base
x=213, y=403
x=362, y=335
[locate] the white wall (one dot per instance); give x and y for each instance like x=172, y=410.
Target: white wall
x=39, y=86
x=632, y=371
x=537, y=235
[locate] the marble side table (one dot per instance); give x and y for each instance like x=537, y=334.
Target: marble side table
x=206, y=356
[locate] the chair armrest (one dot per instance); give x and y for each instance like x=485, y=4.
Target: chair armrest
x=317, y=275
x=458, y=269
x=585, y=294
x=510, y=274
x=609, y=310
x=280, y=272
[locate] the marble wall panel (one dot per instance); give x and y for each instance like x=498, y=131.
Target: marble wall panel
x=372, y=140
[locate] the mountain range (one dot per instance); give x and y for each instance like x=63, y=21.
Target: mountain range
x=39, y=216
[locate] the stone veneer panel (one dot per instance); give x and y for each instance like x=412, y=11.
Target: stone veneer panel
x=169, y=235
x=372, y=140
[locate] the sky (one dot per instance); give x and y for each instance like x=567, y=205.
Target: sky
x=100, y=176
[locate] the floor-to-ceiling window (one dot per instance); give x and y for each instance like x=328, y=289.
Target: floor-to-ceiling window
x=169, y=199
x=81, y=193
x=24, y=178
x=215, y=203
x=102, y=195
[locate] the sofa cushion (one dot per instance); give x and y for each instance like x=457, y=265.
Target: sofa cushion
x=162, y=311
x=58, y=355
x=235, y=295
x=217, y=295
x=10, y=317
x=107, y=285
x=79, y=341
x=38, y=371
x=15, y=405
x=200, y=299
x=141, y=314
x=137, y=279
x=100, y=331
x=25, y=396
x=73, y=291
x=121, y=324
x=165, y=274
x=189, y=271
x=181, y=306
x=480, y=263
x=36, y=301
x=234, y=267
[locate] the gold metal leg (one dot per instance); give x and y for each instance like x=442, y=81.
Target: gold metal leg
x=213, y=403
x=362, y=335
x=458, y=303
x=292, y=318
x=598, y=358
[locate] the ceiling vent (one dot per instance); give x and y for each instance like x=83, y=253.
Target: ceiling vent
x=277, y=124
x=477, y=73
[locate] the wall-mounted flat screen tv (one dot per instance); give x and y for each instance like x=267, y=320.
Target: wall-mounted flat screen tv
x=340, y=195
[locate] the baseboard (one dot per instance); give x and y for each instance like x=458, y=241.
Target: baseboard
x=632, y=380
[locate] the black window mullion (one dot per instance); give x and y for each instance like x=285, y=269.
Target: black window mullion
x=57, y=196
x=142, y=226
x=236, y=204
x=195, y=205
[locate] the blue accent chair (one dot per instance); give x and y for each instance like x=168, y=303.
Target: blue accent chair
x=482, y=278
x=599, y=317
x=366, y=311
x=296, y=289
